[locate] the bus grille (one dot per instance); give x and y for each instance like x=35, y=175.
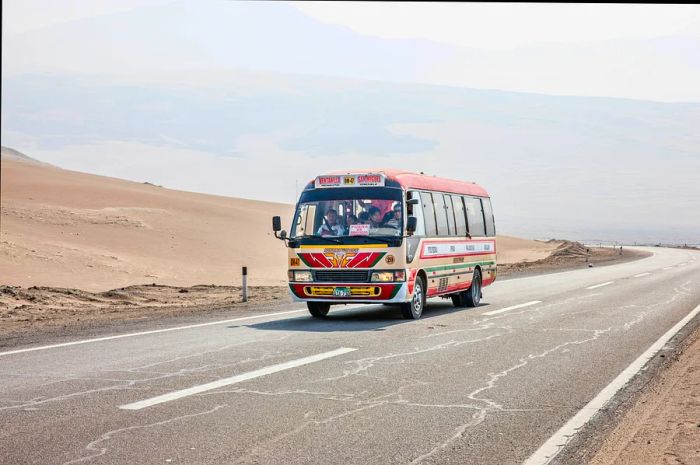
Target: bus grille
x=349, y=276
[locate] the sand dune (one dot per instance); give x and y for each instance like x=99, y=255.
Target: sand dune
x=62, y=228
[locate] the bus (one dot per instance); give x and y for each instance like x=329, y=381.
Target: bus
x=389, y=237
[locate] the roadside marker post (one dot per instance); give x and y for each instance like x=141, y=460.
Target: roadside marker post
x=245, y=283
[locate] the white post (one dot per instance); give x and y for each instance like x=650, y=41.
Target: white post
x=245, y=284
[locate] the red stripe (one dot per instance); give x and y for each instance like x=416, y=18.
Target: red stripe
x=316, y=260
x=449, y=289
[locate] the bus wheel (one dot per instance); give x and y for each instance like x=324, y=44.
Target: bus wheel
x=414, y=309
x=472, y=296
x=318, y=309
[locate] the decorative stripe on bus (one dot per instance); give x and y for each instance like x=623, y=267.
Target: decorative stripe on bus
x=458, y=266
x=345, y=246
x=452, y=248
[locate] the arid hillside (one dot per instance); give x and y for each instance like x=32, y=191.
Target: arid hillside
x=67, y=229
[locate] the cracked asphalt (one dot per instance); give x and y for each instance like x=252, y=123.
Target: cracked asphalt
x=455, y=387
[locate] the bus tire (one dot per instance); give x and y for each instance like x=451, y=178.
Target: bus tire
x=318, y=309
x=414, y=309
x=472, y=296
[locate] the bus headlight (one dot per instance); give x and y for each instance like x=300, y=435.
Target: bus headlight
x=302, y=276
x=388, y=276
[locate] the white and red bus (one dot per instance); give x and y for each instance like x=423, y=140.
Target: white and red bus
x=392, y=237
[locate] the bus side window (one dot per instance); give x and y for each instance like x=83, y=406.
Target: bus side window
x=417, y=211
x=488, y=216
x=475, y=216
x=428, y=214
x=450, y=214
x=440, y=214
x=460, y=218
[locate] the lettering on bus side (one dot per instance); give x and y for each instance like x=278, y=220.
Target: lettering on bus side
x=459, y=260
x=432, y=249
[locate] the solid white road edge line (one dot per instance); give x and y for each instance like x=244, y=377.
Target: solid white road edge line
x=502, y=310
x=641, y=274
x=554, y=444
x=235, y=379
x=142, y=333
x=600, y=285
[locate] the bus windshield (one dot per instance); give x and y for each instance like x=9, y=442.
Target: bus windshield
x=362, y=215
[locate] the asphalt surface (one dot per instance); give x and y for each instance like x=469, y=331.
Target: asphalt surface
x=480, y=386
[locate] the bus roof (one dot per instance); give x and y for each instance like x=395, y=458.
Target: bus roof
x=410, y=180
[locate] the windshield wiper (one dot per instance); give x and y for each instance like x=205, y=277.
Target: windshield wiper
x=330, y=239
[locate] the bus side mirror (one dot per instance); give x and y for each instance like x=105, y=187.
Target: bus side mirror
x=411, y=224
x=413, y=201
x=276, y=223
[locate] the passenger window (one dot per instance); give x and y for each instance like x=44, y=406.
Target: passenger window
x=428, y=214
x=450, y=214
x=440, y=215
x=488, y=216
x=417, y=211
x=475, y=217
x=460, y=218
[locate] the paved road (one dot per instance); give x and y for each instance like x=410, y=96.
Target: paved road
x=486, y=385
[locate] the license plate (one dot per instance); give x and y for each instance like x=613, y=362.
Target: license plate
x=341, y=292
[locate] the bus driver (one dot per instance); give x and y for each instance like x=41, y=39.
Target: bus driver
x=330, y=226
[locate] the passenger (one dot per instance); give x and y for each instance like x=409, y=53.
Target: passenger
x=330, y=226
x=375, y=217
x=351, y=219
x=363, y=218
x=396, y=221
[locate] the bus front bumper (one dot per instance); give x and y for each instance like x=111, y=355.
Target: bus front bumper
x=349, y=293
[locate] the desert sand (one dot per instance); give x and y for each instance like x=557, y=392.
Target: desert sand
x=663, y=425
x=61, y=228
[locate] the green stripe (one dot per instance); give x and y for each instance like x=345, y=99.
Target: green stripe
x=377, y=260
x=458, y=266
x=395, y=291
x=305, y=262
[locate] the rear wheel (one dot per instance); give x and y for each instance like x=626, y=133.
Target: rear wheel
x=472, y=296
x=414, y=309
x=318, y=309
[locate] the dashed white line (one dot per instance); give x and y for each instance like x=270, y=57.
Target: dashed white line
x=554, y=444
x=666, y=268
x=641, y=274
x=514, y=307
x=600, y=285
x=235, y=379
x=142, y=333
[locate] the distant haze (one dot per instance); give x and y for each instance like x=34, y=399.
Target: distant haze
x=254, y=99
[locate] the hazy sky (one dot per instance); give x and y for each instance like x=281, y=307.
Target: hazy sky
x=504, y=26
x=213, y=96
x=649, y=52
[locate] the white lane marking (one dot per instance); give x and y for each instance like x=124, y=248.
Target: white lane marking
x=235, y=379
x=142, y=333
x=667, y=268
x=554, y=444
x=502, y=310
x=600, y=285
x=641, y=274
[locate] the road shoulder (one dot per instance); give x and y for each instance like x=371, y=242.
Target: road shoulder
x=655, y=418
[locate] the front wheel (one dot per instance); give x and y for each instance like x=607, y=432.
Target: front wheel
x=472, y=296
x=414, y=309
x=318, y=309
